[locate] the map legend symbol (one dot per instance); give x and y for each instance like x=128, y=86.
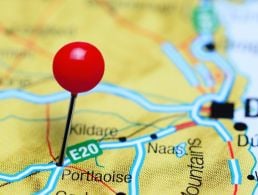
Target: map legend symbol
x=122, y=139
x=120, y=193
x=250, y=177
x=253, y=177
x=222, y=110
x=153, y=136
x=210, y=46
x=77, y=67
x=239, y=126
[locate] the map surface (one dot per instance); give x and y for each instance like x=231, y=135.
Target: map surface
x=169, y=65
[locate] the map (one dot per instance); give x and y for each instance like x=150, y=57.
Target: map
x=175, y=113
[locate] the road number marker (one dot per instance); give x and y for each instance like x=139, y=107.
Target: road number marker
x=83, y=151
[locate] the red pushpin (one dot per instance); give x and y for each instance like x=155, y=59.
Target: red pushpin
x=77, y=67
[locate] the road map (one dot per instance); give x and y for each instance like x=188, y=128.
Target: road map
x=175, y=113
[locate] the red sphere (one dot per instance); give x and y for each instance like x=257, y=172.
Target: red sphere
x=78, y=67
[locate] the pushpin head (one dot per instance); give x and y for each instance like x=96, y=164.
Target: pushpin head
x=78, y=67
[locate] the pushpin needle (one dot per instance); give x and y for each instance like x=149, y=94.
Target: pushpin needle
x=67, y=130
x=78, y=67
